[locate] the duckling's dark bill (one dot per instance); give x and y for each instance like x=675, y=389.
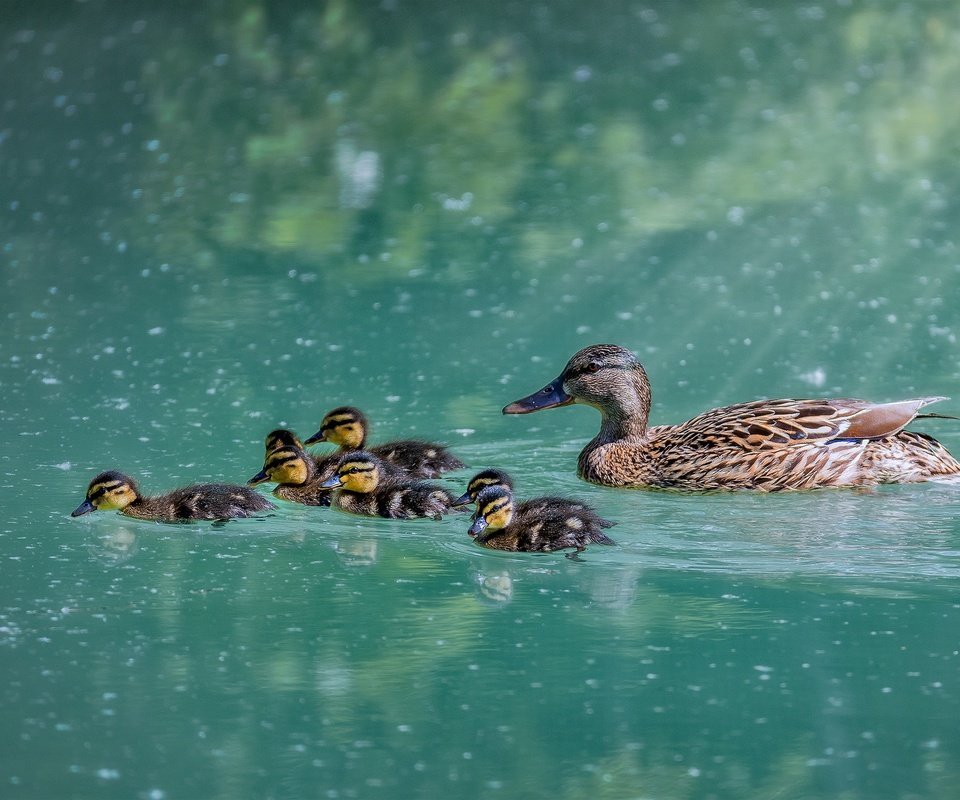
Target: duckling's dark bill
x=479, y=525
x=462, y=500
x=84, y=508
x=260, y=477
x=550, y=396
x=332, y=483
x=319, y=436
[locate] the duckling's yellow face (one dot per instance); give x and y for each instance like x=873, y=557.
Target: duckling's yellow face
x=358, y=475
x=109, y=491
x=494, y=510
x=284, y=465
x=343, y=428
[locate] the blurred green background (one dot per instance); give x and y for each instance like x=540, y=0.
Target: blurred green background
x=220, y=217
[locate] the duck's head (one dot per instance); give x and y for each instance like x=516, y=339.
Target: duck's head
x=285, y=464
x=605, y=376
x=494, y=510
x=345, y=427
x=356, y=472
x=281, y=437
x=108, y=491
x=489, y=477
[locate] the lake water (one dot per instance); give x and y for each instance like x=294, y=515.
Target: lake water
x=219, y=218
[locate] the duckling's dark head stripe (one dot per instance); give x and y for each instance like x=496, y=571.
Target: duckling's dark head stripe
x=281, y=456
x=99, y=490
x=495, y=506
x=356, y=467
x=335, y=421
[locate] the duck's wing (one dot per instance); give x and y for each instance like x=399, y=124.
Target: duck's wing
x=773, y=424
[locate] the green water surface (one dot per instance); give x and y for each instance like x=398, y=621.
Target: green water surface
x=218, y=218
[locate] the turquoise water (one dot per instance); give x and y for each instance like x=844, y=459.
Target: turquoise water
x=221, y=218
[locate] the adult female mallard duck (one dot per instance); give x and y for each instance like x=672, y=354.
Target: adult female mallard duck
x=348, y=428
x=216, y=501
x=768, y=445
x=299, y=477
x=541, y=525
x=364, y=484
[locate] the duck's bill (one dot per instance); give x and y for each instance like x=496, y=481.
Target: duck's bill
x=260, y=477
x=550, y=396
x=84, y=508
x=332, y=483
x=478, y=526
x=462, y=500
x=317, y=437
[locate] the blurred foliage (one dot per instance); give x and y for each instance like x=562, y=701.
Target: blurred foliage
x=408, y=134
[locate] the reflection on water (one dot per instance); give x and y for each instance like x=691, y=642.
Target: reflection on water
x=220, y=220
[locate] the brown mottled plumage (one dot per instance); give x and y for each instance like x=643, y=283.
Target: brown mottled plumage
x=214, y=501
x=347, y=427
x=767, y=445
x=540, y=525
x=365, y=485
x=297, y=474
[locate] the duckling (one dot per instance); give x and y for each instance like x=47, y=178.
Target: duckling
x=528, y=509
x=215, y=501
x=766, y=445
x=325, y=465
x=347, y=427
x=281, y=437
x=488, y=477
x=297, y=474
x=543, y=525
x=365, y=485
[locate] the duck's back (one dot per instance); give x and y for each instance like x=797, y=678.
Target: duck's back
x=395, y=499
x=201, y=501
x=417, y=458
x=545, y=524
x=774, y=445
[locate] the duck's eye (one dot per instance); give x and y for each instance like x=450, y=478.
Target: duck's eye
x=593, y=366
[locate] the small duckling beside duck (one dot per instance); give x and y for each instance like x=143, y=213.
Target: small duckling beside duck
x=364, y=484
x=113, y=490
x=540, y=525
x=348, y=428
x=765, y=445
x=298, y=476
x=528, y=509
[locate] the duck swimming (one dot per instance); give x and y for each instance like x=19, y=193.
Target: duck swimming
x=365, y=485
x=766, y=445
x=299, y=477
x=526, y=510
x=541, y=525
x=214, y=501
x=347, y=427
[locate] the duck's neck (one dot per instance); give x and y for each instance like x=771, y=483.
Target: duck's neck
x=624, y=417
